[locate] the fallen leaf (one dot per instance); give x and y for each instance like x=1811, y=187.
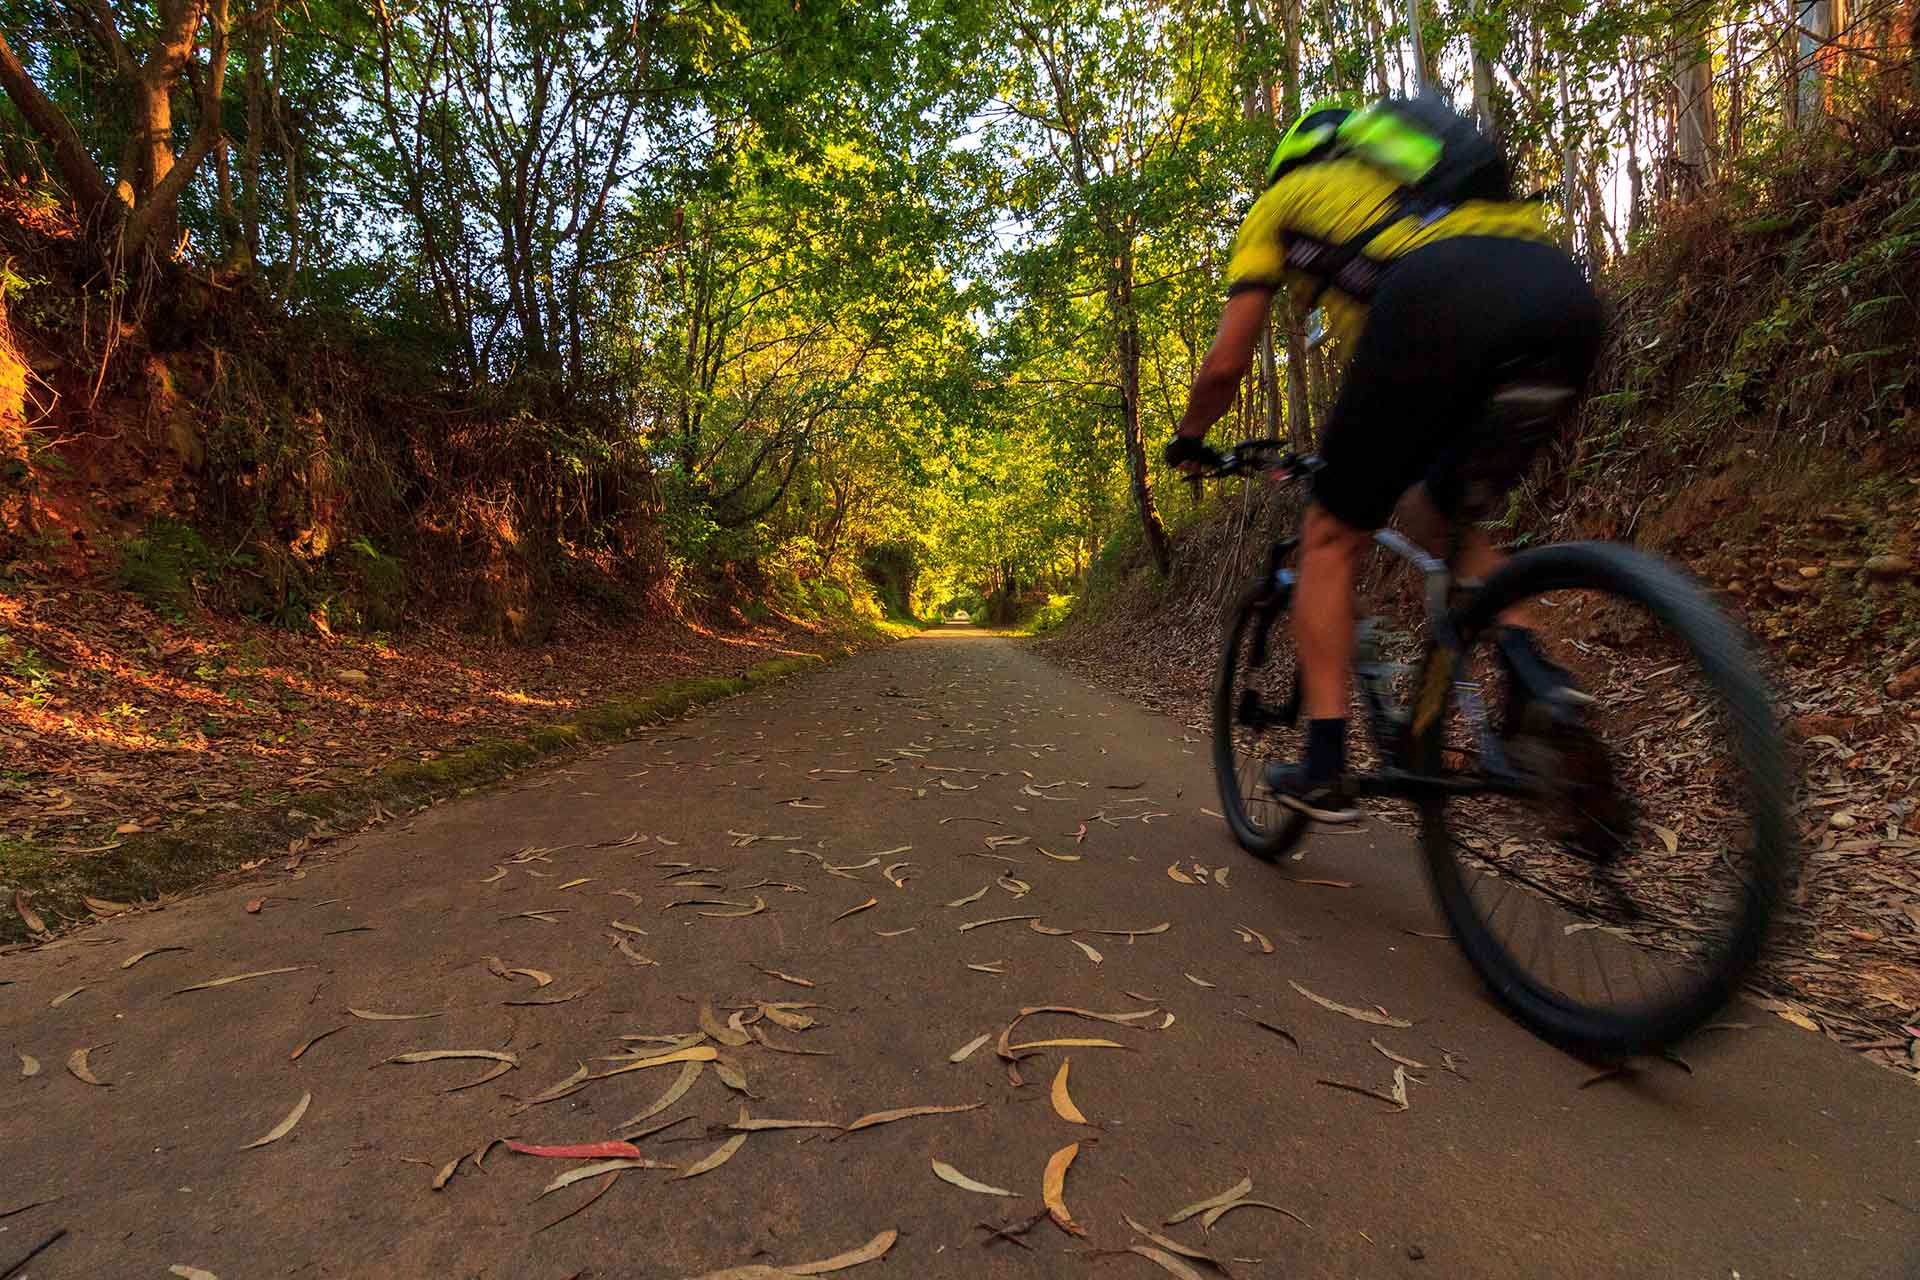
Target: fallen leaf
x=544, y=1000
x=731, y=1076
x=1391, y=1056
x=285, y=1127
x=626, y=949
x=759, y=905
x=867, y=1252
x=35, y=925
x=1199, y=982
x=1242, y=1188
x=1167, y=1261
x=138, y=956
x=417, y=1056
x=1049, y=930
x=698, y=1053
x=961, y=1054
x=1053, y=1185
x=30, y=1065
x=1058, y=857
x=1799, y=1019
x=903, y=1113
x=573, y=884
x=894, y=933
x=1175, y=873
x=540, y=977
x=783, y=1014
x=79, y=1069
x=1214, y=1215
x=947, y=1173
x=549, y=916
x=371, y=1015
x=1170, y=1244
x=977, y=924
x=186, y=1272
x=975, y=896
x=997, y=967
x=1359, y=1015
x=312, y=1041
x=1069, y=1043
x=764, y=1039
x=105, y=907
x=1131, y=934
x=1063, y=1101
x=254, y=905
x=1256, y=936
x=447, y=1170
x=675, y=1091
x=67, y=995
x=575, y=1151
x=784, y=977
x=594, y=1170
x=1668, y=837
x=870, y=902
x=241, y=977
x=499, y=872
x=1090, y=953
x=1325, y=884
x=720, y=1031
x=719, y=1156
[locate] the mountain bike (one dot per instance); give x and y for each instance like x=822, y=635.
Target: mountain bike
x=1610, y=868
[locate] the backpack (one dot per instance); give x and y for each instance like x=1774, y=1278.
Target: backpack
x=1435, y=155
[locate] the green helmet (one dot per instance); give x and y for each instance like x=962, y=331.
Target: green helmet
x=1310, y=138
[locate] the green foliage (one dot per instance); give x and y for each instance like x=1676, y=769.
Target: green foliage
x=1049, y=616
x=163, y=563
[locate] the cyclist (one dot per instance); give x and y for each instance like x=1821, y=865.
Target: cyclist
x=1450, y=298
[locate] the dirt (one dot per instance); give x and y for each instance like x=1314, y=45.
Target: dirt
x=120, y=719
x=1516, y=1162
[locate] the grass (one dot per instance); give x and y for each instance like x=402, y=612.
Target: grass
x=145, y=865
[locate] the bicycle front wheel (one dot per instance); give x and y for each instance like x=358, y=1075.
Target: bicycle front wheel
x=1619, y=889
x=1256, y=718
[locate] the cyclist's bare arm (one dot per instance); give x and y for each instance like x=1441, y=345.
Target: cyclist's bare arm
x=1217, y=380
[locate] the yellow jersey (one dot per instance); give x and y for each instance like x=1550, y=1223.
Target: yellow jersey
x=1309, y=213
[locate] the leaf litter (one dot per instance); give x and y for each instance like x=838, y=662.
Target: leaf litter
x=868, y=1252
x=285, y=1127
x=966, y=1050
x=138, y=956
x=210, y=983
x=80, y=1069
x=1238, y=1191
x=905, y=1113
x=1063, y=1105
x=594, y=1170
x=314, y=1040
x=948, y=1174
x=1053, y=1185
x=719, y=1156
x=1358, y=1015
x=372, y=1015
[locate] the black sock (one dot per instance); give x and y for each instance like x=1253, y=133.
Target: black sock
x=1326, y=750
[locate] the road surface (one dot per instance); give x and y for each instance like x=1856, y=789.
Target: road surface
x=964, y=768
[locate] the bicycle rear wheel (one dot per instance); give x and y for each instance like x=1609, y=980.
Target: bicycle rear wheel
x=1256, y=718
x=1622, y=894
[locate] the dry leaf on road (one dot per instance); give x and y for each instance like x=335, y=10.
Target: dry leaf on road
x=903, y=1113
x=1359, y=1015
x=240, y=977
x=79, y=1069
x=947, y=1173
x=1063, y=1105
x=1243, y=1188
x=966, y=1050
x=1053, y=1185
x=285, y=1127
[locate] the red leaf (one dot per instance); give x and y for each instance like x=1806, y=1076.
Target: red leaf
x=577, y=1151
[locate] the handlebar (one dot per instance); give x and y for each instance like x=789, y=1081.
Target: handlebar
x=1251, y=456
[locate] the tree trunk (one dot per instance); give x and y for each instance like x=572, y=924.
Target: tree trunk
x=1816, y=21
x=1692, y=70
x=83, y=179
x=1421, y=76
x=1377, y=40
x=1482, y=74
x=1126, y=325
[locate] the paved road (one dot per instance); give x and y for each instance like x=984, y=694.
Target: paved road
x=1778, y=1155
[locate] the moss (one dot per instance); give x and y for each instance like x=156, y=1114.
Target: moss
x=145, y=865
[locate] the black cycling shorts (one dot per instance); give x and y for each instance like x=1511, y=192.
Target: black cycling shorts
x=1451, y=324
